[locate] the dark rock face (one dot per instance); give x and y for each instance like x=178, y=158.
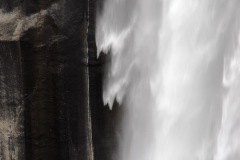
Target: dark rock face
x=42, y=69
x=11, y=102
x=76, y=77
x=55, y=62
x=105, y=122
x=34, y=6
x=10, y=5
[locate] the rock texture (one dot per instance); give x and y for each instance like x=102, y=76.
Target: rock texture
x=11, y=102
x=51, y=83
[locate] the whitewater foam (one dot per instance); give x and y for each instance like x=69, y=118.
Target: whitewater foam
x=168, y=70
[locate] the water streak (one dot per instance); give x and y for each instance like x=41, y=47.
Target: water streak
x=175, y=70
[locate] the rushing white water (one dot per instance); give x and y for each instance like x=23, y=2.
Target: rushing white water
x=175, y=68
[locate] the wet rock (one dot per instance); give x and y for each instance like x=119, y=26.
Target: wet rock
x=54, y=63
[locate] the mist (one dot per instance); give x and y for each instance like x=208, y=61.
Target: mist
x=175, y=68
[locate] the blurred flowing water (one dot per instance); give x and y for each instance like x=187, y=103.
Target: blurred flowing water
x=175, y=68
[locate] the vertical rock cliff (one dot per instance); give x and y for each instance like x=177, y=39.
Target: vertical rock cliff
x=11, y=102
x=51, y=83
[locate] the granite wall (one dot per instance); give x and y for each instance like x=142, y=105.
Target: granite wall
x=51, y=83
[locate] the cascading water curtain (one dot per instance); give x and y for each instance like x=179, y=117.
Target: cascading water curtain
x=175, y=68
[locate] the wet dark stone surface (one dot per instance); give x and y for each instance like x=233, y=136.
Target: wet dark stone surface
x=11, y=103
x=105, y=122
x=62, y=80
x=8, y=5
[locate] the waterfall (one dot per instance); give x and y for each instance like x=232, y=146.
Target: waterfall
x=175, y=68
